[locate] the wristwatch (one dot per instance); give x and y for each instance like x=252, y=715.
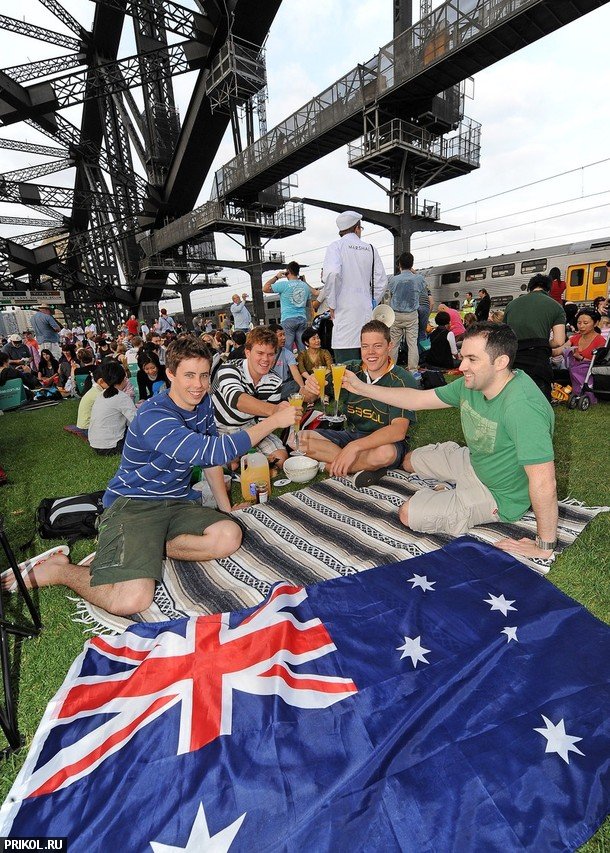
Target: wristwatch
x=545, y=546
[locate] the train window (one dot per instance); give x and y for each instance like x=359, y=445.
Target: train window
x=477, y=274
x=451, y=278
x=501, y=270
x=600, y=275
x=577, y=277
x=537, y=265
x=604, y=245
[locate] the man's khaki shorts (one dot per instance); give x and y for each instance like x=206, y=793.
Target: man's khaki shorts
x=451, y=511
x=133, y=533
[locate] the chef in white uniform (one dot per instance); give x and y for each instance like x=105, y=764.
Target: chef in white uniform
x=353, y=277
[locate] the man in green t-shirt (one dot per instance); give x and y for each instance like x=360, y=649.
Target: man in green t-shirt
x=507, y=465
x=375, y=435
x=539, y=323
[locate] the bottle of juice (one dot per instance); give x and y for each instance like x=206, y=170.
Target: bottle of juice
x=254, y=469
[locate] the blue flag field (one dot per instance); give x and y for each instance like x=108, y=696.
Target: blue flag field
x=452, y=702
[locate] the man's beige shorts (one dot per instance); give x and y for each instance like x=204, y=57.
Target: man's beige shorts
x=451, y=511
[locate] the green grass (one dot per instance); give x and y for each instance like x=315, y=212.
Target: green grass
x=43, y=461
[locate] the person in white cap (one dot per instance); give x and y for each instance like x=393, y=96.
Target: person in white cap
x=18, y=353
x=354, y=277
x=46, y=329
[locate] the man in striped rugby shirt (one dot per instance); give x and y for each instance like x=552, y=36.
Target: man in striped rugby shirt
x=247, y=390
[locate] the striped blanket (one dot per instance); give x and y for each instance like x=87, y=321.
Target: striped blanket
x=324, y=531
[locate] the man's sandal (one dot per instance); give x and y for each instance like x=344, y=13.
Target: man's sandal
x=27, y=565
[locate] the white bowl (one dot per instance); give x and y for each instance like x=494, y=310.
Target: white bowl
x=300, y=469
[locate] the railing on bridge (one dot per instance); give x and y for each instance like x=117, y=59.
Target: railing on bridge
x=445, y=30
x=238, y=72
x=465, y=145
x=215, y=213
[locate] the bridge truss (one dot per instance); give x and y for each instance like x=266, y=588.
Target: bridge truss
x=119, y=221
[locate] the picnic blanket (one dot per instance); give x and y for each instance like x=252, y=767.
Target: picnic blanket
x=327, y=530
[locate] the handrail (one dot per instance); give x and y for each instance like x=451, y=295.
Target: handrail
x=444, y=31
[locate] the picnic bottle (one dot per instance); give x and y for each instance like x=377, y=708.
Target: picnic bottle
x=254, y=469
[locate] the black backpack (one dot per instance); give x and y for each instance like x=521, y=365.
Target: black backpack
x=432, y=379
x=69, y=518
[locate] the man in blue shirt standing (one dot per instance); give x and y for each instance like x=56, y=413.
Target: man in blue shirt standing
x=295, y=296
x=151, y=509
x=241, y=316
x=405, y=289
x=46, y=329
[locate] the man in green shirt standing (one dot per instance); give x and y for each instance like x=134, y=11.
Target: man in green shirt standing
x=507, y=464
x=539, y=323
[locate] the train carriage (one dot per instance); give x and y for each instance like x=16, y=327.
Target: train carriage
x=583, y=266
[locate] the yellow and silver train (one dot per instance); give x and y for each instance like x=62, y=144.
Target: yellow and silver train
x=582, y=266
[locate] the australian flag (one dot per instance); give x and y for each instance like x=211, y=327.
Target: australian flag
x=451, y=702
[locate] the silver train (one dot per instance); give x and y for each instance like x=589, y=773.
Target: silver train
x=582, y=266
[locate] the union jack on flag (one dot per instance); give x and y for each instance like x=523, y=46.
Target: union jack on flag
x=199, y=670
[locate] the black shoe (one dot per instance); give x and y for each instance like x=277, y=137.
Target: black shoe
x=363, y=479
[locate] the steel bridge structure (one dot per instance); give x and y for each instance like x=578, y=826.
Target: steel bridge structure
x=123, y=222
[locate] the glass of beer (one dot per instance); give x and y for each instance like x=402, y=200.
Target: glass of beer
x=337, y=371
x=297, y=401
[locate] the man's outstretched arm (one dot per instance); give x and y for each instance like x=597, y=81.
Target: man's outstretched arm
x=400, y=398
x=543, y=497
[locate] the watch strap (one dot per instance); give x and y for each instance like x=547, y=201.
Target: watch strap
x=545, y=546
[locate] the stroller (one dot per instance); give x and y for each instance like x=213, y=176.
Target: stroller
x=585, y=377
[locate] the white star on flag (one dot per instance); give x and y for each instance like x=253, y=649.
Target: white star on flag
x=413, y=649
x=557, y=740
x=498, y=602
x=511, y=634
x=422, y=581
x=200, y=838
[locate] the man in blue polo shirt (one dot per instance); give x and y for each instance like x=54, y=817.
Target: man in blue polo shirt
x=46, y=329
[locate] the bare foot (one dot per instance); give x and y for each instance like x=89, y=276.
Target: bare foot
x=45, y=573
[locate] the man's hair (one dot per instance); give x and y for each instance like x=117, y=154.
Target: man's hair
x=137, y=341
x=260, y=335
x=239, y=337
x=500, y=340
x=442, y=318
x=85, y=356
x=482, y=290
x=163, y=311
x=351, y=230
x=539, y=281
x=294, y=268
x=376, y=327
x=186, y=347
x=405, y=261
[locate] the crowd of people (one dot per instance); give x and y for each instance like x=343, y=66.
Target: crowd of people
x=208, y=396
